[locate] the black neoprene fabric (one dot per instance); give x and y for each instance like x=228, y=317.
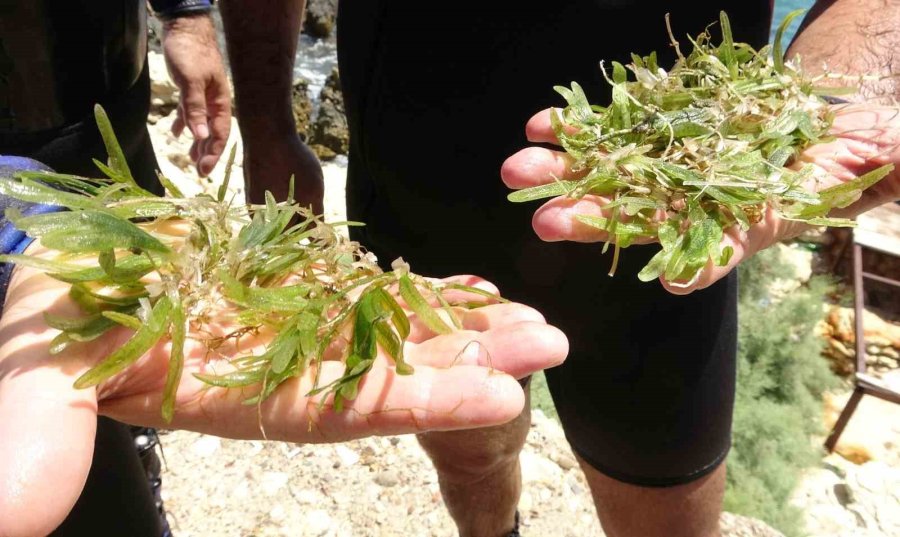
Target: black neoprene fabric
x=437, y=97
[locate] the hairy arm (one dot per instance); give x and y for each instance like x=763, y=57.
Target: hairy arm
x=854, y=37
x=262, y=41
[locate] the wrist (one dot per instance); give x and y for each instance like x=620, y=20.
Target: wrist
x=263, y=128
x=197, y=24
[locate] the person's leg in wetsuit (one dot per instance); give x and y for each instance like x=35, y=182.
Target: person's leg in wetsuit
x=437, y=97
x=56, y=60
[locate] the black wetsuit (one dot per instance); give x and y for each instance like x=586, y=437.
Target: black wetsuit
x=437, y=96
x=57, y=59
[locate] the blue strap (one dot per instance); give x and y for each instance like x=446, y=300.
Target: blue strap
x=167, y=9
x=13, y=240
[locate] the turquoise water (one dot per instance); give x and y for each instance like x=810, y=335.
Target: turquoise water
x=782, y=8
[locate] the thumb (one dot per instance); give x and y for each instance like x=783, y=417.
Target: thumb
x=193, y=111
x=47, y=426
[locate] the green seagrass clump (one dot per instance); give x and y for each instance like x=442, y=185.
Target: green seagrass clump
x=684, y=154
x=170, y=267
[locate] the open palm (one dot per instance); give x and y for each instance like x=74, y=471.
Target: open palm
x=865, y=138
x=48, y=426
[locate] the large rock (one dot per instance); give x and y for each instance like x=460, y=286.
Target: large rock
x=329, y=135
x=844, y=499
x=302, y=107
x=320, y=16
x=882, y=341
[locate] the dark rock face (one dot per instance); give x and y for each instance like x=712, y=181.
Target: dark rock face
x=329, y=135
x=320, y=16
x=302, y=107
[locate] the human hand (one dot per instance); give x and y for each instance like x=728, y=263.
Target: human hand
x=866, y=137
x=48, y=426
x=196, y=67
x=272, y=157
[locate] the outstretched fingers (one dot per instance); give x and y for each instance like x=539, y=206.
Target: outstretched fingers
x=387, y=403
x=518, y=349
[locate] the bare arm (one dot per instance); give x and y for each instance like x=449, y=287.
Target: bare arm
x=262, y=42
x=854, y=37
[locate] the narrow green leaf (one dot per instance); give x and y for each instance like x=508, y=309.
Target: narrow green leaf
x=170, y=187
x=726, y=48
x=223, y=188
x=392, y=345
x=417, y=303
x=777, y=46
x=128, y=321
x=236, y=379
x=846, y=193
x=267, y=299
x=34, y=192
x=307, y=328
x=656, y=266
x=141, y=342
x=550, y=190
x=283, y=349
x=177, y=332
x=630, y=228
x=45, y=265
x=92, y=231
x=476, y=291
x=619, y=73
x=117, y=161
x=135, y=265
x=398, y=315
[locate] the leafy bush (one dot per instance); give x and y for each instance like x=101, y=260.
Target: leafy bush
x=781, y=377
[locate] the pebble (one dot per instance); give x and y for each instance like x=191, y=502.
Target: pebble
x=347, y=456
x=387, y=478
x=206, y=446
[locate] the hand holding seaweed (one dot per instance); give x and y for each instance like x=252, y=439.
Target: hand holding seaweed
x=244, y=301
x=48, y=426
x=725, y=154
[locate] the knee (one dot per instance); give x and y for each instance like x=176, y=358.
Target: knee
x=466, y=456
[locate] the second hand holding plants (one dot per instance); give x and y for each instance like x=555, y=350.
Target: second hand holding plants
x=681, y=156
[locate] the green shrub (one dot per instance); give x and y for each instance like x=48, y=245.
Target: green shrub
x=540, y=396
x=781, y=377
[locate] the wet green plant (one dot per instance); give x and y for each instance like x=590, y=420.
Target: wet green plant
x=682, y=155
x=166, y=267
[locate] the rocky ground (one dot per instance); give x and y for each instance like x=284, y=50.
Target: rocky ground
x=386, y=487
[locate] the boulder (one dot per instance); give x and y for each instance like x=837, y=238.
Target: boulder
x=329, y=135
x=302, y=107
x=882, y=340
x=320, y=17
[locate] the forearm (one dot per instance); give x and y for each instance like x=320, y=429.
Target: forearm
x=854, y=37
x=262, y=40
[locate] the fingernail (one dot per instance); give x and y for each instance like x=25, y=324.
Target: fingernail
x=202, y=131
